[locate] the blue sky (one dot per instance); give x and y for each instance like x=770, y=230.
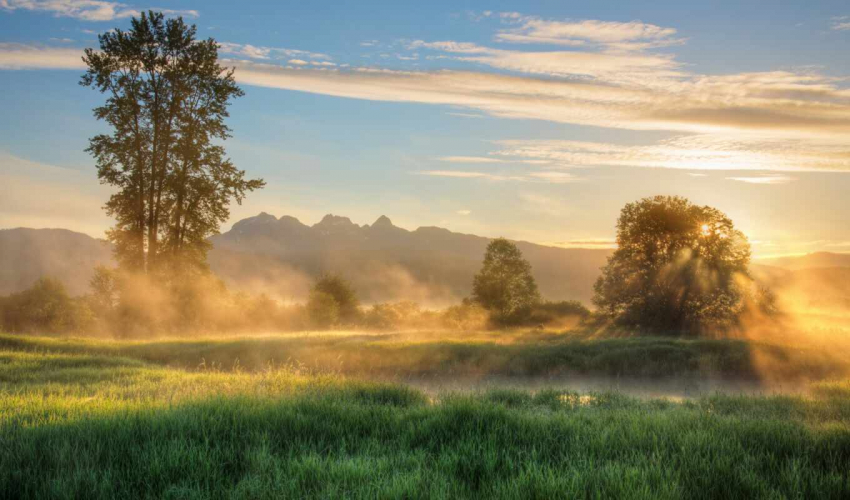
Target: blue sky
x=531, y=120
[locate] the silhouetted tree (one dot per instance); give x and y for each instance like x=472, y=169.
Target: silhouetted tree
x=504, y=285
x=167, y=99
x=343, y=295
x=678, y=267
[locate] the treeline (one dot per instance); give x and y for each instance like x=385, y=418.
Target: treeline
x=133, y=306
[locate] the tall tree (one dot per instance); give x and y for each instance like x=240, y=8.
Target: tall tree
x=167, y=99
x=504, y=285
x=678, y=267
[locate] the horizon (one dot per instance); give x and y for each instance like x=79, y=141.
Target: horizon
x=524, y=120
x=610, y=247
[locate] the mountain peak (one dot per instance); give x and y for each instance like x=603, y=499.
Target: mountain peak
x=331, y=221
x=262, y=218
x=383, y=221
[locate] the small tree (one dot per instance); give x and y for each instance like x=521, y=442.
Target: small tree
x=323, y=309
x=504, y=285
x=343, y=295
x=678, y=267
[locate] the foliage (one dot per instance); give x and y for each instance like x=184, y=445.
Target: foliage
x=504, y=285
x=551, y=312
x=404, y=314
x=167, y=98
x=323, y=309
x=45, y=307
x=678, y=267
x=343, y=295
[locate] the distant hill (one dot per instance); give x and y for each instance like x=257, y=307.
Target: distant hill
x=384, y=262
x=282, y=256
x=812, y=260
x=28, y=254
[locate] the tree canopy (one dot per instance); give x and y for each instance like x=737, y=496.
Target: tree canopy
x=333, y=300
x=504, y=285
x=677, y=267
x=166, y=102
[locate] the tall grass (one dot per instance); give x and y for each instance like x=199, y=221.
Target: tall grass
x=99, y=425
x=438, y=354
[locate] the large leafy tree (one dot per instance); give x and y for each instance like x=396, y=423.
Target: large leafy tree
x=678, y=267
x=504, y=285
x=167, y=99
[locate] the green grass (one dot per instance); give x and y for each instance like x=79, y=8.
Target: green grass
x=434, y=354
x=86, y=419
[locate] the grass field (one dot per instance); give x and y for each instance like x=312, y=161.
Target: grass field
x=297, y=417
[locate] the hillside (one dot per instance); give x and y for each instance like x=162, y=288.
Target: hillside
x=812, y=260
x=431, y=265
x=385, y=262
x=28, y=254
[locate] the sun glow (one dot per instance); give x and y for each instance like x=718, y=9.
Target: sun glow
x=705, y=229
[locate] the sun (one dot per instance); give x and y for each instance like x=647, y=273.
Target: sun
x=705, y=229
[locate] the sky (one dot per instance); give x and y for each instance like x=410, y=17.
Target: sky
x=535, y=121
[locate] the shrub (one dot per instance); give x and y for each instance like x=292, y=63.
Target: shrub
x=45, y=307
x=323, y=309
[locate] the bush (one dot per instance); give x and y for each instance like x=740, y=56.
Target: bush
x=403, y=314
x=342, y=293
x=45, y=307
x=558, y=313
x=323, y=309
x=469, y=315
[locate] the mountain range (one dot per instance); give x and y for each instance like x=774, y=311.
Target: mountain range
x=282, y=256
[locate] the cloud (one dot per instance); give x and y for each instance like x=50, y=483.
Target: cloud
x=689, y=152
x=554, y=177
x=594, y=243
x=634, y=35
x=85, y=10
x=765, y=179
x=767, y=121
x=694, y=174
x=464, y=212
x=19, y=56
x=470, y=159
x=266, y=53
x=460, y=174
x=841, y=23
x=551, y=177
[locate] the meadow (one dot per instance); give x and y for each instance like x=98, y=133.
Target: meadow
x=294, y=416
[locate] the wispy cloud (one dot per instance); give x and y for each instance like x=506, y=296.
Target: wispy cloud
x=85, y=10
x=20, y=56
x=266, y=53
x=470, y=159
x=634, y=35
x=594, y=243
x=841, y=23
x=767, y=121
x=463, y=174
x=550, y=177
x=764, y=179
x=463, y=212
x=689, y=152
